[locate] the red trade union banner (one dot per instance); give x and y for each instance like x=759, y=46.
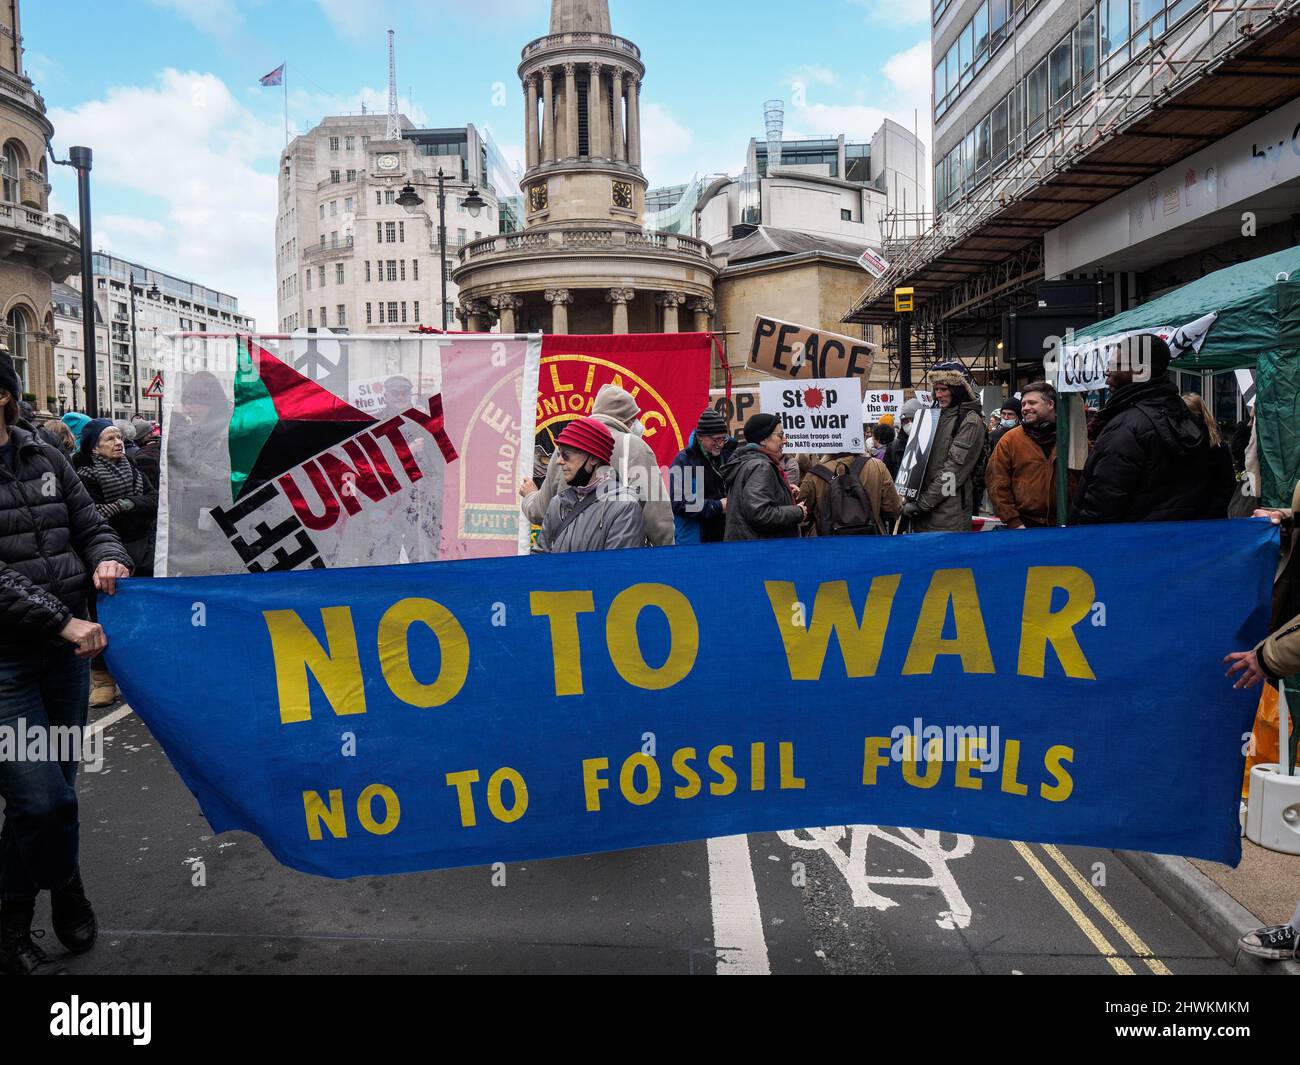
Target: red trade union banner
x=666, y=373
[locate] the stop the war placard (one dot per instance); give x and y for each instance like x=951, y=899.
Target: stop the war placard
x=875, y=405
x=402, y=718
x=820, y=417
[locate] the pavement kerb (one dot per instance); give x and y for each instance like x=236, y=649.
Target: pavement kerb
x=1215, y=914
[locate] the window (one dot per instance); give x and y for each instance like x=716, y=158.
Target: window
x=18, y=326
x=983, y=153
x=415, y=269
x=322, y=212
x=369, y=316
x=951, y=62
x=446, y=269
x=310, y=323
x=403, y=310
x=997, y=22
x=1036, y=101
x=334, y=144
x=998, y=133
x=1114, y=28
x=13, y=169
x=367, y=269
x=967, y=52
x=309, y=279
x=334, y=177
x=390, y=232
x=401, y=232
x=334, y=208
x=379, y=198
x=968, y=162
x=460, y=236
x=322, y=277
x=379, y=232
x=415, y=312
x=1060, y=64
x=1085, y=51
x=381, y=313
x=403, y=269
x=940, y=88
x=352, y=175
x=392, y=269
x=846, y=215
x=340, y=315
x=338, y=273
x=392, y=312
x=349, y=204
x=390, y=197
x=322, y=318
x=981, y=33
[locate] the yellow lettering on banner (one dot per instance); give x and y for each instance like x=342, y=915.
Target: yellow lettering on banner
x=563, y=608
x=757, y=766
x=461, y=782
x=593, y=783
x=627, y=779
x=874, y=757
x=333, y=816
x=789, y=782
x=1064, y=786
x=625, y=645
x=967, y=762
x=395, y=652
x=652, y=421
x=682, y=767
x=336, y=667
x=392, y=809
x=1010, y=763
x=860, y=642
x=933, y=766
x=556, y=386
x=726, y=782
x=499, y=810
x=1040, y=626
x=971, y=643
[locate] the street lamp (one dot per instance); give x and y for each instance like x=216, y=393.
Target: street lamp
x=73, y=376
x=135, y=356
x=409, y=200
x=80, y=159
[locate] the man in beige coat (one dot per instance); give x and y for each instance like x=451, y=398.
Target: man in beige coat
x=633, y=463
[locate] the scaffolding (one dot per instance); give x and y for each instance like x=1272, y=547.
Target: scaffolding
x=1192, y=50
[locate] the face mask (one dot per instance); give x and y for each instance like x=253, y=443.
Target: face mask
x=582, y=478
x=1008, y=423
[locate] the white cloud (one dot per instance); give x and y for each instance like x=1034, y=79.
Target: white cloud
x=352, y=19
x=671, y=153
x=221, y=18
x=895, y=12
x=183, y=153
x=812, y=74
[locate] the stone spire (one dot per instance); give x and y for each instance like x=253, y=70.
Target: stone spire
x=580, y=16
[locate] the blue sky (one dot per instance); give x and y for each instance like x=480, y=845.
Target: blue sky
x=166, y=93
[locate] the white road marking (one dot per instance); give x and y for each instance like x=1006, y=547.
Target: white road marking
x=108, y=719
x=737, y=921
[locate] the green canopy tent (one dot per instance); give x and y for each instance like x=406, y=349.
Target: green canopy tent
x=1257, y=328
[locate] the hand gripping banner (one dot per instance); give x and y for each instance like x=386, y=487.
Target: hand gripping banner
x=1059, y=686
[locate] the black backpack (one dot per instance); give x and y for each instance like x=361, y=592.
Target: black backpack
x=846, y=511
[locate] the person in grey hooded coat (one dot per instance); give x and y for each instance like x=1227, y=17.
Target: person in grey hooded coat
x=591, y=512
x=633, y=463
x=947, y=498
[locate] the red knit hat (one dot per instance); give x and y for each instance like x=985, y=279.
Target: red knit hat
x=589, y=435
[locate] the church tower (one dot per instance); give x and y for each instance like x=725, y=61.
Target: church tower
x=584, y=263
x=582, y=121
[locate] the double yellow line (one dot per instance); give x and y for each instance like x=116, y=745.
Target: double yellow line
x=1089, y=929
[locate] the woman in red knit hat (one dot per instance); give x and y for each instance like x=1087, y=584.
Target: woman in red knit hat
x=591, y=513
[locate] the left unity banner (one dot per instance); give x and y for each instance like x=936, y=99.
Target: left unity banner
x=1044, y=686
x=331, y=451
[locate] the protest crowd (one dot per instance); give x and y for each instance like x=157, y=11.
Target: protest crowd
x=79, y=501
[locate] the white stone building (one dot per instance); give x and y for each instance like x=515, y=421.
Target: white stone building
x=351, y=259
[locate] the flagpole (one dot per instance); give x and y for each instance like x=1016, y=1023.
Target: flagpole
x=284, y=80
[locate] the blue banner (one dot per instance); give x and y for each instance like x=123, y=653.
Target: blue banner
x=1059, y=686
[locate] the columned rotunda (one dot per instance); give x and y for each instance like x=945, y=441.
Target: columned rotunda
x=584, y=262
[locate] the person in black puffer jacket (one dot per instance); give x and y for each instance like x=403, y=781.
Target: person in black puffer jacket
x=52, y=540
x=1151, y=457
x=760, y=500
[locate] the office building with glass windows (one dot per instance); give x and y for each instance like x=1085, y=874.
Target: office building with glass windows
x=1090, y=155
